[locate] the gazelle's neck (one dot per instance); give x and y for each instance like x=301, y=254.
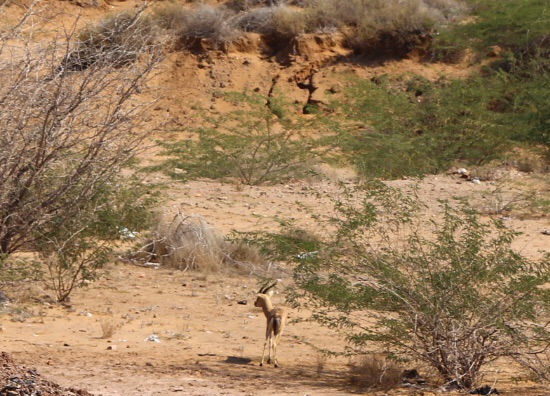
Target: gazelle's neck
x=267, y=306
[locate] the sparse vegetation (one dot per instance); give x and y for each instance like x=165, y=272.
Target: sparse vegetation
x=412, y=127
x=457, y=299
x=256, y=145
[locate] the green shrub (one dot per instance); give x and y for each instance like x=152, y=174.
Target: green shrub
x=74, y=250
x=256, y=144
x=451, y=293
x=409, y=126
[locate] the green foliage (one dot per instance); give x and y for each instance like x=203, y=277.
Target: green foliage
x=394, y=133
x=292, y=241
x=456, y=297
x=74, y=250
x=519, y=32
x=513, y=25
x=72, y=262
x=260, y=143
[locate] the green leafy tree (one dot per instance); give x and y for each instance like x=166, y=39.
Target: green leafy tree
x=457, y=297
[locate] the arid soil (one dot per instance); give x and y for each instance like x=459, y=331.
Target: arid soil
x=186, y=333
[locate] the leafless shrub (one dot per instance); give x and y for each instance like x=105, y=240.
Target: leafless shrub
x=190, y=243
x=64, y=135
x=538, y=364
x=89, y=3
x=289, y=22
x=278, y=23
x=374, y=372
x=449, y=9
x=324, y=15
x=504, y=200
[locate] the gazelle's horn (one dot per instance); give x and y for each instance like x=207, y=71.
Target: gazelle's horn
x=265, y=288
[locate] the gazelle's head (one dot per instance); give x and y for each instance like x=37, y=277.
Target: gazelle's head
x=264, y=292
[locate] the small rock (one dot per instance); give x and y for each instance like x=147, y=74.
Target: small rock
x=485, y=390
x=111, y=348
x=153, y=338
x=242, y=302
x=335, y=89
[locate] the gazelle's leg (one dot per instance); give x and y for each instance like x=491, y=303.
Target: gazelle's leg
x=269, y=361
x=275, y=352
x=263, y=353
x=275, y=344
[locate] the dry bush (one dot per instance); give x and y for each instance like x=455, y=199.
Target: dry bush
x=449, y=9
x=109, y=327
x=170, y=16
x=117, y=40
x=382, y=25
x=323, y=15
x=278, y=23
x=205, y=22
x=289, y=23
x=529, y=163
x=392, y=25
x=245, y=5
x=537, y=364
x=190, y=243
x=259, y=20
x=374, y=372
x=64, y=137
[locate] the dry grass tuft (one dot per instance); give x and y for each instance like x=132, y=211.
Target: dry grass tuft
x=188, y=242
x=109, y=327
x=375, y=372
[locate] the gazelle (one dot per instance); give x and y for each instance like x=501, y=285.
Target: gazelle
x=276, y=320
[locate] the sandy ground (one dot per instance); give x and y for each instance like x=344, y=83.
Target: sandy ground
x=208, y=344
